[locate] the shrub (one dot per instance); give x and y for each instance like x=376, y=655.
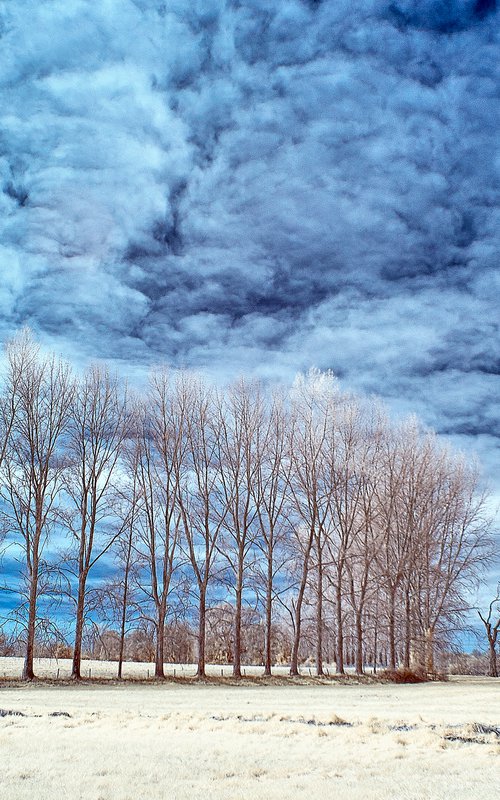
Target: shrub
x=404, y=675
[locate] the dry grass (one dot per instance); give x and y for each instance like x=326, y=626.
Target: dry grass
x=170, y=740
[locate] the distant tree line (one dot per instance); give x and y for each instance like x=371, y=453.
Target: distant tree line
x=238, y=524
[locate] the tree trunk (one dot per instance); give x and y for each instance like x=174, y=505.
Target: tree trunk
x=269, y=600
x=294, y=664
x=340, y=629
x=407, y=652
x=429, y=650
x=120, y=655
x=160, y=636
x=77, y=650
x=493, y=671
x=202, y=621
x=392, y=631
x=28, y=672
x=237, y=618
x=123, y=621
x=319, y=617
x=359, y=643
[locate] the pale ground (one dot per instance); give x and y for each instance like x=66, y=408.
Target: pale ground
x=175, y=741
x=61, y=668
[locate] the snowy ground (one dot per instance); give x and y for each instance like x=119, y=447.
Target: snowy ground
x=61, y=668
x=176, y=741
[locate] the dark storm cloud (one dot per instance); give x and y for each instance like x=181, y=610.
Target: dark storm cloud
x=263, y=186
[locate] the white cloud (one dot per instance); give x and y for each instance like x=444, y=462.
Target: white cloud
x=259, y=186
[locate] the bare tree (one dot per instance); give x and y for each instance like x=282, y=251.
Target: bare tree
x=454, y=549
x=492, y=627
x=313, y=398
x=271, y=494
x=199, y=495
x=9, y=398
x=96, y=430
x=370, y=535
x=404, y=496
x=237, y=421
x=360, y=566
x=345, y=498
x=10, y=395
x=40, y=389
x=126, y=607
x=159, y=439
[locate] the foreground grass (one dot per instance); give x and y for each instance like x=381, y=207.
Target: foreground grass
x=218, y=740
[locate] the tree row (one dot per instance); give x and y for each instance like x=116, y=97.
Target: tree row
x=302, y=516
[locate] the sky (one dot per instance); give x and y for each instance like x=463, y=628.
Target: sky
x=261, y=186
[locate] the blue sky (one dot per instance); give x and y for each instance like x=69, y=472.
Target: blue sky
x=259, y=187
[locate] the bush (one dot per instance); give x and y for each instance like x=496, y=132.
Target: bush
x=404, y=675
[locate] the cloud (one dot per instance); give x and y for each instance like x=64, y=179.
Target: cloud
x=260, y=186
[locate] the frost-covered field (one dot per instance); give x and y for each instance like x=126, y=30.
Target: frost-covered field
x=61, y=668
x=176, y=741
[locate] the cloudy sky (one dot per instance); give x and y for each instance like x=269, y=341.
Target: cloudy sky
x=261, y=186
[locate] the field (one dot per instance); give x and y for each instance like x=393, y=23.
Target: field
x=180, y=740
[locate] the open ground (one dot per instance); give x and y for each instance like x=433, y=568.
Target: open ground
x=180, y=740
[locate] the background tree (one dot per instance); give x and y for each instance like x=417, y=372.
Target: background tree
x=40, y=388
x=123, y=591
x=361, y=565
x=345, y=499
x=370, y=534
x=237, y=419
x=159, y=439
x=200, y=496
x=454, y=548
x=96, y=431
x=270, y=490
x=312, y=401
x=492, y=626
x=404, y=497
